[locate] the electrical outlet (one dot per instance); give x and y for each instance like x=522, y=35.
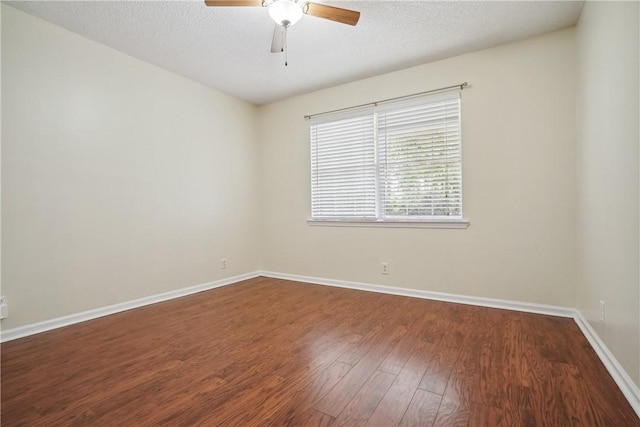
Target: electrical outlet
x=4, y=307
x=602, y=317
x=223, y=263
x=384, y=268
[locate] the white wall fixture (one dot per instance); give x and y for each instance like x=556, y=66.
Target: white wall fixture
x=4, y=307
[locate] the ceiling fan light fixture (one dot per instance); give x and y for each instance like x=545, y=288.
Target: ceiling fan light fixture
x=285, y=12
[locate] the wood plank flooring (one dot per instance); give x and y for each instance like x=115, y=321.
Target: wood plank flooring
x=269, y=352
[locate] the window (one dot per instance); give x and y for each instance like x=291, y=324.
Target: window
x=395, y=163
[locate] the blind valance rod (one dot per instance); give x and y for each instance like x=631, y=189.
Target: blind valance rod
x=370, y=104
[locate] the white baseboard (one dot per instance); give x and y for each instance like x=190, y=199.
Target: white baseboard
x=620, y=376
x=47, y=325
x=551, y=310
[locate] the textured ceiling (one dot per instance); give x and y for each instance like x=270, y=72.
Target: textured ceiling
x=228, y=48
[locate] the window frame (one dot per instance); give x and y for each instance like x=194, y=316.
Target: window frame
x=381, y=220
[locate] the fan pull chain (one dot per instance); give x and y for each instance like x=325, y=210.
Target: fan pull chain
x=286, y=62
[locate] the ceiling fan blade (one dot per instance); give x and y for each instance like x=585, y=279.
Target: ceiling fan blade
x=277, y=45
x=233, y=2
x=345, y=16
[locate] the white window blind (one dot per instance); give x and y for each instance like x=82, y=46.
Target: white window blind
x=396, y=162
x=420, y=160
x=343, y=165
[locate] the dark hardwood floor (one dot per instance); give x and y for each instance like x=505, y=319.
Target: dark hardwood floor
x=269, y=352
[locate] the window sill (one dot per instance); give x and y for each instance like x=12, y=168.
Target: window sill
x=457, y=223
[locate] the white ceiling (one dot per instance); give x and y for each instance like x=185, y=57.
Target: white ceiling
x=228, y=48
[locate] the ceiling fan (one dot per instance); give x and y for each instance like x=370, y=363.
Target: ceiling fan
x=285, y=13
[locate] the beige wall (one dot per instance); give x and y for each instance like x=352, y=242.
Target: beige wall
x=0, y=153
x=519, y=182
x=119, y=179
x=608, y=139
